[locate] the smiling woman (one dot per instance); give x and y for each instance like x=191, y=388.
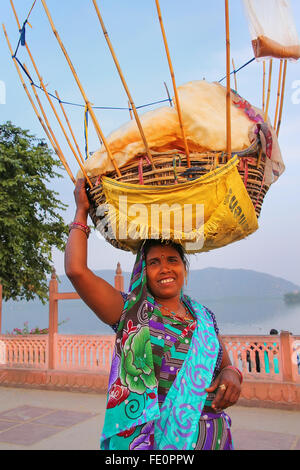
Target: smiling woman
x=171, y=377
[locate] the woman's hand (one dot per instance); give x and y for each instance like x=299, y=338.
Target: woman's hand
x=81, y=198
x=229, y=396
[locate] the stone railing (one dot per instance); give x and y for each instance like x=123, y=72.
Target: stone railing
x=89, y=353
x=271, y=369
x=271, y=358
x=70, y=352
x=56, y=362
x=266, y=358
x=24, y=351
x=270, y=364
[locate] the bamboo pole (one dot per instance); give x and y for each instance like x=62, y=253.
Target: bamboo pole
x=228, y=88
x=31, y=9
x=69, y=126
x=264, y=86
x=278, y=93
x=56, y=149
x=234, y=72
x=12, y=5
x=46, y=119
x=174, y=84
x=269, y=90
x=26, y=45
x=124, y=84
x=86, y=132
x=169, y=97
x=50, y=102
x=130, y=111
x=266, y=109
x=65, y=134
x=88, y=104
x=282, y=97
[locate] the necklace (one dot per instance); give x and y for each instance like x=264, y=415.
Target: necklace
x=185, y=316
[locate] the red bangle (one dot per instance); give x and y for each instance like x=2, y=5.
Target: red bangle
x=80, y=226
x=236, y=370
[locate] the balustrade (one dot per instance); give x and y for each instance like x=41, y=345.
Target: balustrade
x=24, y=351
x=259, y=358
x=270, y=364
x=90, y=353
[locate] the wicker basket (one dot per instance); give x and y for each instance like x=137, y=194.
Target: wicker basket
x=171, y=168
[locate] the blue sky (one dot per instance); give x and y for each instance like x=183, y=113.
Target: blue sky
x=196, y=36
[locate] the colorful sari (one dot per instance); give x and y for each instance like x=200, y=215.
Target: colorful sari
x=160, y=369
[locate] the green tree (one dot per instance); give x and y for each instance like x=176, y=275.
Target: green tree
x=30, y=223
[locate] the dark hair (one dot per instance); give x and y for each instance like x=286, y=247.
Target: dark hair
x=273, y=332
x=147, y=244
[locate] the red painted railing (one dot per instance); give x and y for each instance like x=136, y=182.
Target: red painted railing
x=271, y=358
x=24, y=351
x=71, y=352
x=266, y=358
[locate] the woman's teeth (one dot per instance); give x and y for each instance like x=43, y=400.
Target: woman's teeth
x=166, y=281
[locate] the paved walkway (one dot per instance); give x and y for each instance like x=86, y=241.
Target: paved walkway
x=53, y=420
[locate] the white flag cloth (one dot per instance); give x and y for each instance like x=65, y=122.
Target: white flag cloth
x=272, y=28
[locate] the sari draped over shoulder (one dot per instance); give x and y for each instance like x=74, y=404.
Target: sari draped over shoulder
x=158, y=377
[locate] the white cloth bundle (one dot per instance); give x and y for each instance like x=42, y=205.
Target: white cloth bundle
x=203, y=106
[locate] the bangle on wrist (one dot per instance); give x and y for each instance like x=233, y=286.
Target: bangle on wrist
x=80, y=226
x=236, y=370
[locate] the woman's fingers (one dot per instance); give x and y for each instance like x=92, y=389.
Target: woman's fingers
x=229, y=398
x=213, y=386
x=228, y=391
x=225, y=398
x=219, y=398
x=81, y=198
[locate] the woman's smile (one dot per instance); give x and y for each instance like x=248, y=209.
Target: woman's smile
x=166, y=281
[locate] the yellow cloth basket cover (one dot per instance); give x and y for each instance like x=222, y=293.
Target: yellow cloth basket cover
x=204, y=214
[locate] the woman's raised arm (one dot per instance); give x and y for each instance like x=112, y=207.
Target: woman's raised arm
x=106, y=301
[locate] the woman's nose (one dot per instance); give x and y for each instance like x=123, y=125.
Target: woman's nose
x=164, y=265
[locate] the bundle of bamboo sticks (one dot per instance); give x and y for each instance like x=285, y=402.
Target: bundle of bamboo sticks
x=75, y=150
x=280, y=92
x=43, y=117
x=280, y=96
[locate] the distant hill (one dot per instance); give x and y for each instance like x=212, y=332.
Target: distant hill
x=216, y=283
x=235, y=295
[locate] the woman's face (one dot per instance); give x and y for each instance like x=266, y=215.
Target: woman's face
x=165, y=272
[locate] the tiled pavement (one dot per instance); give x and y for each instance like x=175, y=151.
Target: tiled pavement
x=27, y=425
x=54, y=420
x=50, y=420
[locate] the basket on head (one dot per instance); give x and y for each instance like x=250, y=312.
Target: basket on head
x=232, y=189
x=171, y=170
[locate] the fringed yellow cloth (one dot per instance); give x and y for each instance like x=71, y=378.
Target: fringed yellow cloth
x=207, y=213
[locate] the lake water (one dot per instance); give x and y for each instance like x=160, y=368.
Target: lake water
x=234, y=316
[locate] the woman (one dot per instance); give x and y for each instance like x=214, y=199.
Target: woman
x=171, y=377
